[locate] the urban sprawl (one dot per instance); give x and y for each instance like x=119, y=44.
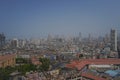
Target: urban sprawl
x=61, y=58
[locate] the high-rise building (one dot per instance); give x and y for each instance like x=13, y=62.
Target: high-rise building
x=49, y=38
x=14, y=43
x=2, y=40
x=113, y=36
x=107, y=38
x=118, y=47
x=80, y=36
x=89, y=38
x=118, y=51
x=21, y=43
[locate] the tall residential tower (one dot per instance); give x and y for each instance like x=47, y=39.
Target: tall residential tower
x=113, y=36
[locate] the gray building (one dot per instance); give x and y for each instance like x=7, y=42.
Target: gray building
x=2, y=40
x=113, y=37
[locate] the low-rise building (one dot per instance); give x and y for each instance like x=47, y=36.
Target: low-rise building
x=7, y=60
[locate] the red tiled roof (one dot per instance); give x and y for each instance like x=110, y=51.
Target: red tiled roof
x=35, y=61
x=6, y=57
x=82, y=63
x=88, y=75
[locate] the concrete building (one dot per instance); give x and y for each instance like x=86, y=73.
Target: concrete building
x=80, y=36
x=2, y=40
x=113, y=36
x=7, y=60
x=22, y=43
x=14, y=43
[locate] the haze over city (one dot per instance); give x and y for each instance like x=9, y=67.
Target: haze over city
x=29, y=18
x=59, y=39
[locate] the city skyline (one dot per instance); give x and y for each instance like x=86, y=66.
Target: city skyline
x=31, y=18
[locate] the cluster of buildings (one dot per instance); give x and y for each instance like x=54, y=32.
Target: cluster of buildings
x=61, y=51
x=7, y=60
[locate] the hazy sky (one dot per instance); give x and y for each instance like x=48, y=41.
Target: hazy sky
x=38, y=18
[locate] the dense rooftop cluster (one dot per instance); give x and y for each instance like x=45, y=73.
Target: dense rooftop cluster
x=59, y=58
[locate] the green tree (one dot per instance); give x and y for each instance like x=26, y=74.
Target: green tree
x=45, y=64
x=21, y=61
x=4, y=72
x=26, y=68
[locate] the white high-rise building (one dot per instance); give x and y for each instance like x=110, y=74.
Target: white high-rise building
x=15, y=43
x=80, y=36
x=113, y=36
